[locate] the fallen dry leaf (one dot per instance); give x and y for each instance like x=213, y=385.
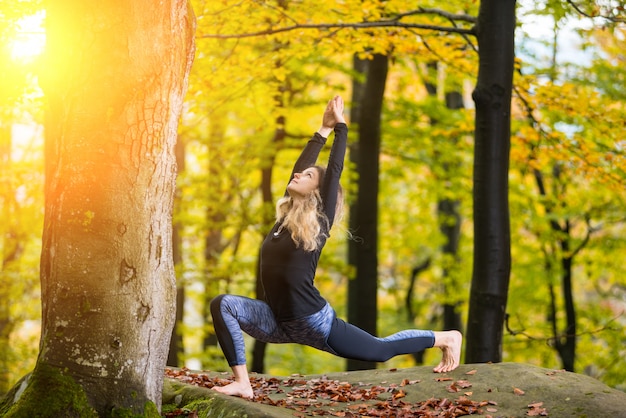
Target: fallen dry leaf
x=472, y=372
x=458, y=385
x=399, y=394
x=406, y=382
x=553, y=372
x=536, y=410
x=463, y=384
x=518, y=391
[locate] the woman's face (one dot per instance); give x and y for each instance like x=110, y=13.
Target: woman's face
x=304, y=183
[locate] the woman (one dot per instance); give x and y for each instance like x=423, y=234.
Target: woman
x=294, y=311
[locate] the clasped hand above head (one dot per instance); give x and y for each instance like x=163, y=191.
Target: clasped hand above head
x=333, y=114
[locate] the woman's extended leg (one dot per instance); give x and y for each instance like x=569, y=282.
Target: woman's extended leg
x=352, y=342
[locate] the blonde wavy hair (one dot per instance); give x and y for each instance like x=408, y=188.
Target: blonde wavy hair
x=302, y=216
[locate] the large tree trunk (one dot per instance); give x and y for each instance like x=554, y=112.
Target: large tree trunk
x=492, y=253
x=362, y=289
x=117, y=74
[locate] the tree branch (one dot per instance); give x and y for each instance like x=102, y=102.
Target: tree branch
x=615, y=19
x=450, y=16
x=550, y=340
x=356, y=25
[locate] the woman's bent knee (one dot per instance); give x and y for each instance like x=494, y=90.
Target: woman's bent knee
x=216, y=304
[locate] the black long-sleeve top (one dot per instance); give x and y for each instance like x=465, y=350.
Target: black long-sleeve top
x=288, y=272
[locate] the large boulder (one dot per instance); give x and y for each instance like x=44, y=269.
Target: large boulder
x=497, y=390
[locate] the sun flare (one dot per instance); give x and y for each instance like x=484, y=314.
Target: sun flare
x=29, y=39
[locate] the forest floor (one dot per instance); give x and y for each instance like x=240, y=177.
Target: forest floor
x=490, y=390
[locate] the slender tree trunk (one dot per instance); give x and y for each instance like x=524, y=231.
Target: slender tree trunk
x=564, y=342
x=408, y=302
x=115, y=81
x=449, y=216
x=260, y=347
x=362, y=289
x=176, y=342
x=450, y=227
x=11, y=247
x=566, y=345
x=213, y=247
x=492, y=254
x=217, y=209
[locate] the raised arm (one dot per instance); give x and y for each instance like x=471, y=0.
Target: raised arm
x=333, y=114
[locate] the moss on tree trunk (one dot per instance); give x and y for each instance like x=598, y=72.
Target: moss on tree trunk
x=48, y=392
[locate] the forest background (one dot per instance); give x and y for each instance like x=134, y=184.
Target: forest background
x=256, y=95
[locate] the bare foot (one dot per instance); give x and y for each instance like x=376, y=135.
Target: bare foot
x=450, y=344
x=236, y=389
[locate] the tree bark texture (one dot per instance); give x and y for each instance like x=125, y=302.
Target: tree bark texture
x=492, y=254
x=116, y=77
x=363, y=255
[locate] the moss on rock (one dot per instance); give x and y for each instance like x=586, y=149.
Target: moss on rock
x=208, y=403
x=150, y=411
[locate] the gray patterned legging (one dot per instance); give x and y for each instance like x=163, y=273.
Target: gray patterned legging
x=322, y=330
